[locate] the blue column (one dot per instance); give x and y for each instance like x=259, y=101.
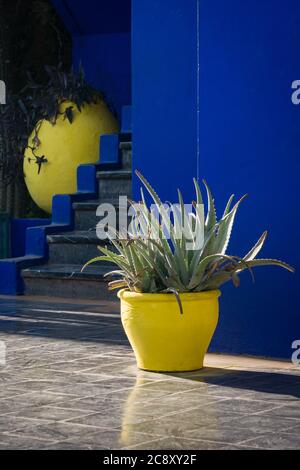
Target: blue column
x=165, y=93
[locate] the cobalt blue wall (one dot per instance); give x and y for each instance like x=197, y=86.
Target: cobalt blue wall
x=249, y=54
x=164, y=87
x=249, y=142
x=18, y=234
x=101, y=33
x=107, y=64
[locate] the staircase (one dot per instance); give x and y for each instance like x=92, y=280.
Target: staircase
x=61, y=276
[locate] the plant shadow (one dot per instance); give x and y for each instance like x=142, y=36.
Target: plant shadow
x=261, y=381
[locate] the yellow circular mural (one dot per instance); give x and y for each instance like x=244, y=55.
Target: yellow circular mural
x=50, y=163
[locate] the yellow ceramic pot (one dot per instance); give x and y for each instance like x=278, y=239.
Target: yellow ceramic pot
x=162, y=338
x=65, y=146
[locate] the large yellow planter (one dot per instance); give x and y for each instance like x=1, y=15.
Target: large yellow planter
x=65, y=146
x=162, y=338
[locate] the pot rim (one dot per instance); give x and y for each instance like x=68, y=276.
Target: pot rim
x=126, y=294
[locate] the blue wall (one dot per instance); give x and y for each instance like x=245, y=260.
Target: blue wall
x=249, y=54
x=164, y=87
x=249, y=137
x=101, y=33
x=107, y=65
x=18, y=234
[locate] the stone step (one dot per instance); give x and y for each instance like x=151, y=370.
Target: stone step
x=114, y=183
x=126, y=151
x=85, y=213
x=69, y=251
x=74, y=248
x=68, y=281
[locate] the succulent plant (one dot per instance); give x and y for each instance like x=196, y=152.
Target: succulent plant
x=158, y=264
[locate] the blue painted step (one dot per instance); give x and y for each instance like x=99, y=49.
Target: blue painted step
x=63, y=216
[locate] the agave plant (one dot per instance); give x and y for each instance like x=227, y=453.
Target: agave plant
x=157, y=263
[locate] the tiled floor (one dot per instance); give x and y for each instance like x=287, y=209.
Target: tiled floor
x=70, y=382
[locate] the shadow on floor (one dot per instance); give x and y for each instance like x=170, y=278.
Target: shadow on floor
x=271, y=382
x=62, y=321
x=84, y=323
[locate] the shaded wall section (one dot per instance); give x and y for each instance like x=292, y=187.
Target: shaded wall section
x=101, y=33
x=106, y=61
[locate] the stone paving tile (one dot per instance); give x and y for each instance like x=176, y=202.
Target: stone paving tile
x=115, y=367
x=6, y=408
x=264, y=422
x=237, y=447
x=177, y=424
x=98, y=388
x=53, y=431
x=113, y=419
x=65, y=445
x=57, y=377
x=209, y=391
x=82, y=365
x=284, y=395
x=11, y=422
x=49, y=414
x=31, y=399
x=26, y=386
x=242, y=405
x=227, y=433
x=106, y=439
x=80, y=436
x=10, y=392
x=286, y=411
x=174, y=386
x=275, y=441
x=219, y=404
x=87, y=405
x=240, y=429
x=13, y=442
x=161, y=408
x=173, y=443
x=71, y=383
